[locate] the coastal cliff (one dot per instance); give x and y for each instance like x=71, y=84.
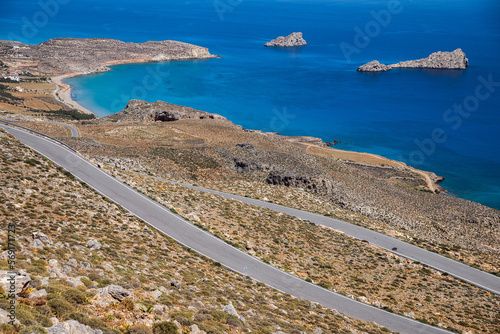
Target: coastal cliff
x=90, y=55
x=455, y=60
x=294, y=39
x=142, y=111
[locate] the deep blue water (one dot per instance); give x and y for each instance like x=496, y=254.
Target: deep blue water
x=313, y=90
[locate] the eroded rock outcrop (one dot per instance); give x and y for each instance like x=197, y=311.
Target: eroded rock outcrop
x=281, y=178
x=455, y=60
x=294, y=39
x=142, y=111
x=374, y=66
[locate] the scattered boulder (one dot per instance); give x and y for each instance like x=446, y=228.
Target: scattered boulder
x=8, y=278
x=194, y=329
x=249, y=245
x=155, y=294
x=42, y=237
x=177, y=284
x=4, y=317
x=229, y=309
x=38, y=294
x=73, y=327
x=374, y=66
x=4, y=255
x=294, y=39
x=93, y=244
x=75, y=281
x=37, y=243
x=115, y=291
x=362, y=299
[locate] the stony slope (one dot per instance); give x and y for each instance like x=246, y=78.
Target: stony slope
x=85, y=259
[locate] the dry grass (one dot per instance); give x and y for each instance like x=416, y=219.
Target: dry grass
x=332, y=259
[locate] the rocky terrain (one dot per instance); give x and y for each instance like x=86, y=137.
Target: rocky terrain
x=87, y=266
x=141, y=111
x=90, y=55
x=72, y=235
x=294, y=39
x=455, y=60
x=220, y=154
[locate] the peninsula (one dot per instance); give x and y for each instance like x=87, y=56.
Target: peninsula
x=92, y=55
x=455, y=60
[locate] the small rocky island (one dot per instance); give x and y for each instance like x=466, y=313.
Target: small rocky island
x=294, y=39
x=455, y=60
x=144, y=112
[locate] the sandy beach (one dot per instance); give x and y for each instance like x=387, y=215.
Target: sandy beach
x=63, y=92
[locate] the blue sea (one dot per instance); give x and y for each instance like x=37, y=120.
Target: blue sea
x=443, y=121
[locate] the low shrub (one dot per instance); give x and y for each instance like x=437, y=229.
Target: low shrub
x=164, y=327
x=7, y=329
x=60, y=306
x=33, y=329
x=74, y=296
x=139, y=329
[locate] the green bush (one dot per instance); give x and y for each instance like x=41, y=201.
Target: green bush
x=139, y=329
x=86, y=281
x=74, y=296
x=324, y=284
x=164, y=327
x=60, y=306
x=24, y=316
x=33, y=329
x=7, y=329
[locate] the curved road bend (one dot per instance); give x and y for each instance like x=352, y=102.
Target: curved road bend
x=471, y=275
x=74, y=131
x=210, y=246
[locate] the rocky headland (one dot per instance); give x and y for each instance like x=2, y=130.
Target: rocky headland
x=90, y=55
x=455, y=60
x=142, y=111
x=294, y=39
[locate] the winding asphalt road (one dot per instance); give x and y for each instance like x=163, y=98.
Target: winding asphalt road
x=471, y=275
x=205, y=243
x=74, y=131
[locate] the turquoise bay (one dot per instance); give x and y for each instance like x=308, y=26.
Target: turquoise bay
x=315, y=90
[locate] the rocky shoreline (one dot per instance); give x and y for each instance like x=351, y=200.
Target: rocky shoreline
x=455, y=60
